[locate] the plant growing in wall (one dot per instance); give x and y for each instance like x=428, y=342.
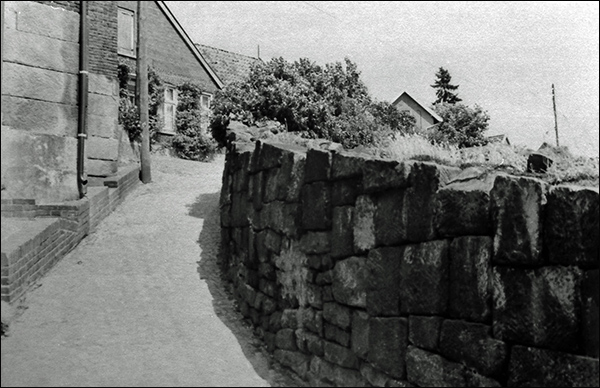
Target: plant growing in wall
x=128, y=112
x=191, y=141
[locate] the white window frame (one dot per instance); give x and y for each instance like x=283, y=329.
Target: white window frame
x=209, y=97
x=127, y=51
x=170, y=122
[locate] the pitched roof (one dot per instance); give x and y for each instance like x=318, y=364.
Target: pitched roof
x=426, y=109
x=230, y=67
x=189, y=43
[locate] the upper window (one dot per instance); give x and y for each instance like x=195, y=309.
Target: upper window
x=127, y=35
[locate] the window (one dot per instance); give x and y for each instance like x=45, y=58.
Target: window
x=127, y=35
x=169, y=110
x=205, y=100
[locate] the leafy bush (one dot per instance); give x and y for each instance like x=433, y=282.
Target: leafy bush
x=128, y=112
x=191, y=141
x=462, y=125
x=329, y=102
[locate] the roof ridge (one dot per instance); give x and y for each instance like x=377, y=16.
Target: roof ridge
x=227, y=51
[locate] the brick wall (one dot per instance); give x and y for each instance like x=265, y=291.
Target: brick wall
x=68, y=5
x=103, y=37
x=168, y=54
x=50, y=231
x=358, y=271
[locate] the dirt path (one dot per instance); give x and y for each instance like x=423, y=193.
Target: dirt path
x=139, y=302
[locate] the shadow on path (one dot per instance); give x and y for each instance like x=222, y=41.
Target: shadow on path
x=206, y=207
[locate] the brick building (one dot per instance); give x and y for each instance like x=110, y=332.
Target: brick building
x=41, y=79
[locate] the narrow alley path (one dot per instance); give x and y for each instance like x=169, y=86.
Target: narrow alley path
x=139, y=301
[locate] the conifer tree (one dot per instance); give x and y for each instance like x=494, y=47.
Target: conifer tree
x=444, y=88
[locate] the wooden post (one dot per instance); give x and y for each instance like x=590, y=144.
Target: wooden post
x=142, y=91
x=2, y=43
x=555, y=120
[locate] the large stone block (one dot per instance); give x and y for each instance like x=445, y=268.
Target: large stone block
x=337, y=314
x=516, y=207
x=39, y=19
x=39, y=116
x=291, y=176
x=42, y=167
x=360, y=333
x=383, y=294
x=271, y=155
x=340, y=355
x=102, y=148
x=364, y=224
x=103, y=105
x=325, y=374
x=424, y=273
x=106, y=126
x=39, y=84
x=390, y=227
x=318, y=165
x=427, y=369
x=286, y=339
x=316, y=206
x=471, y=344
x=40, y=51
x=342, y=235
x=271, y=180
x=296, y=361
x=419, y=205
x=350, y=282
x=572, y=226
x=589, y=305
x=463, y=208
x=531, y=367
x=346, y=165
x=335, y=334
x=424, y=332
x=537, y=307
x=470, y=295
x=313, y=243
x=101, y=84
x=388, y=340
x=345, y=192
x=380, y=175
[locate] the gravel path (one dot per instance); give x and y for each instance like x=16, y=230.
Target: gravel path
x=139, y=302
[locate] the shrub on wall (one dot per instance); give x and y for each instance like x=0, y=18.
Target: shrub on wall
x=329, y=102
x=191, y=141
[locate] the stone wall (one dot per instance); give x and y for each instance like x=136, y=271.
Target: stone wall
x=40, y=98
x=359, y=271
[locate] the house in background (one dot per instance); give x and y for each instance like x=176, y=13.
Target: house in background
x=425, y=117
x=498, y=139
x=41, y=108
x=229, y=66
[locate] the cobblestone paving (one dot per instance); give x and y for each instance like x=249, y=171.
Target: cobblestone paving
x=140, y=301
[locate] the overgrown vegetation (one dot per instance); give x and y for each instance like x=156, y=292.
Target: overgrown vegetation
x=329, y=102
x=128, y=113
x=191, y=141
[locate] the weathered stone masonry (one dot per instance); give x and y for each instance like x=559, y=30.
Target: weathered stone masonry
x=358, y=271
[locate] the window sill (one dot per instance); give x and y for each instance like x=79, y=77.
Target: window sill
x=124, y=54
x=166, y=133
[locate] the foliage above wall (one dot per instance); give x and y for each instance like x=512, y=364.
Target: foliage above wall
x=330, y=102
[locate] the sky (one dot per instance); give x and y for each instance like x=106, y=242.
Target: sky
x=504, y=56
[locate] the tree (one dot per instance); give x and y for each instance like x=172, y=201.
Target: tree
x=329, y=102
x=444, y=88
x=462, y=125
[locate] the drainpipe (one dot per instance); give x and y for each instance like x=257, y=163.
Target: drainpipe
x=83, y=100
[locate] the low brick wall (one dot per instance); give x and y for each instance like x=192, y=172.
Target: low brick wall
x=38, y=236
x=358, y=271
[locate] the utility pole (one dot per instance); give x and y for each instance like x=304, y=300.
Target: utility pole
x=142, y=91
x=555, y=120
